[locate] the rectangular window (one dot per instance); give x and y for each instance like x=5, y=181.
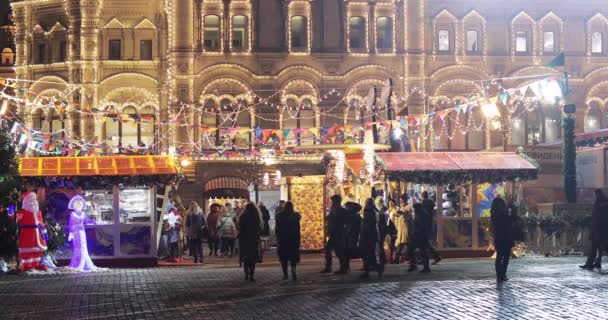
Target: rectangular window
x=521, y=41
x=211, y=33
x=134, y=206
x=384, y=33
x=597, y=40
x=63, y=51
x=549, y=42
x=41, y=53
x=145, y=50
x=444, y=40
x=100, y=206
x=472, y=44
x=239, y=32
x=356, y=33
x=298, y=31
x=114, y=50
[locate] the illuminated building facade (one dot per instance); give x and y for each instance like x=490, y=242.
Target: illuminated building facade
x=273, y=64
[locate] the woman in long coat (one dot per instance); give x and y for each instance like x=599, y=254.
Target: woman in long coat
x=368, y=240
x=288, y=238
x=250, y=228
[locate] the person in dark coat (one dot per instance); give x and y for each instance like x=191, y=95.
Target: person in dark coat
x=213, y=236
x=351, y=236
x=383, y=223
x=288, y=239
x=335, y=232
x=250, y=228
x=419, y=239
x=195, y=226
x=265, y=219
x=598, y=224
x=503, y=221
x=429, y=207
x=369, y=239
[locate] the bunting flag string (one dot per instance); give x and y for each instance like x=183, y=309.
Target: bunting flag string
x=59, y=143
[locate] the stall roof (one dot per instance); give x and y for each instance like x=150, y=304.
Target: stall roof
x=96, y=166
x=446, y=167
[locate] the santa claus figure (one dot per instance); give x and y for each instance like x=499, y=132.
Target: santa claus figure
x=32, y=234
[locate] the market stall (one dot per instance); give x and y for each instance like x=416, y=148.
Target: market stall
x=462, y=184
x=124, y=197
x=307, y=195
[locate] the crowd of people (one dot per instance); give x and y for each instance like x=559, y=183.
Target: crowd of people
x=404, y=229
x=352, y=234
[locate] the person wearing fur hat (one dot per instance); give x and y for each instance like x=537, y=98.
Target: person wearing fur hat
x=32, y=234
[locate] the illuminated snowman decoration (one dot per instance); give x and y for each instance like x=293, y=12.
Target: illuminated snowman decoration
x=80, y=252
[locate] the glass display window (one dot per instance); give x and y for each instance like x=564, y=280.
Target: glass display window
x=100, y=206
x=134, y=206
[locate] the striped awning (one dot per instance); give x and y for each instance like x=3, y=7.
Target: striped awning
x=226, y=187
x=226, y=183
x=96, y=166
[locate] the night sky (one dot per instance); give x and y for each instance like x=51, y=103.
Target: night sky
x=4, y=7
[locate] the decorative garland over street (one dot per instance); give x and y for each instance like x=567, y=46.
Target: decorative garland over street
x=100, y=182
x=462, y=176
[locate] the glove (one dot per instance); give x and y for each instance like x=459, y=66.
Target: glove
x=70, y=237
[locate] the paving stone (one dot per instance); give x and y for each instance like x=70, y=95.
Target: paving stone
x=540, y=288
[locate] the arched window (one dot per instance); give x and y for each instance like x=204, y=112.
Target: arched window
x=521, y=41
x=306, y=120
x=147, y=125
x=298, y=31
x=384, y=33
x=518, y=126
x=472, y=41
x=594, y=117
x=240, y=33
x=443, y=40
x=243, y=121
x=129, y=129
x=209, y=139
x=112, y=127
x=548, y=42
x=37, y=119
x=476, y=133
x=552, y=125
x=211, y=32
x=56, y=122
x=597, y=43
x=534, y=126
x=356, y=33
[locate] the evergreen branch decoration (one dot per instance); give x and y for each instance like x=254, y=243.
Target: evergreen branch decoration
x=461, y=176
x=569, y=160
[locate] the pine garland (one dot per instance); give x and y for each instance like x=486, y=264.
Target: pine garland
x=569, y=164
x=461, y=176
x=100, y=182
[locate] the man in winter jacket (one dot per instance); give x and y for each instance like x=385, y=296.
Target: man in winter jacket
x=336, y=221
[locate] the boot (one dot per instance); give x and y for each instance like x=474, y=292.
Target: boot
x=327, y=268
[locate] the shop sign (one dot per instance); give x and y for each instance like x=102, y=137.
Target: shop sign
x=590, y=168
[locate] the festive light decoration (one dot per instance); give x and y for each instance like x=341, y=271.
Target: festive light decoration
x=338, y=169
x=81, y=260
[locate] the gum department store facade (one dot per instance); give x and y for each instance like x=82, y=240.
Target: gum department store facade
x=156, y=59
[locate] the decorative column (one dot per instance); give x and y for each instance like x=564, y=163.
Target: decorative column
x=22, y=14
x=198, y=17
x=87, y=50
x=226, y=26
x=285, y=40
x=371, y=27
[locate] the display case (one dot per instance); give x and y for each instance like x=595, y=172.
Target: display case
x=124, y=224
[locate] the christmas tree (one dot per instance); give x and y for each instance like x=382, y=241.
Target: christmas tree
x=9, y=196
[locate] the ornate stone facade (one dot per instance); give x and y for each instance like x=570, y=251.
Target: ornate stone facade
x=160, y=58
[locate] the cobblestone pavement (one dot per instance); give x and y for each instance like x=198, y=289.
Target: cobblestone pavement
x=540, y=288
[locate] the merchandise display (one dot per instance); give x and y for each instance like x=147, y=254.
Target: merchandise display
x=306, y=193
